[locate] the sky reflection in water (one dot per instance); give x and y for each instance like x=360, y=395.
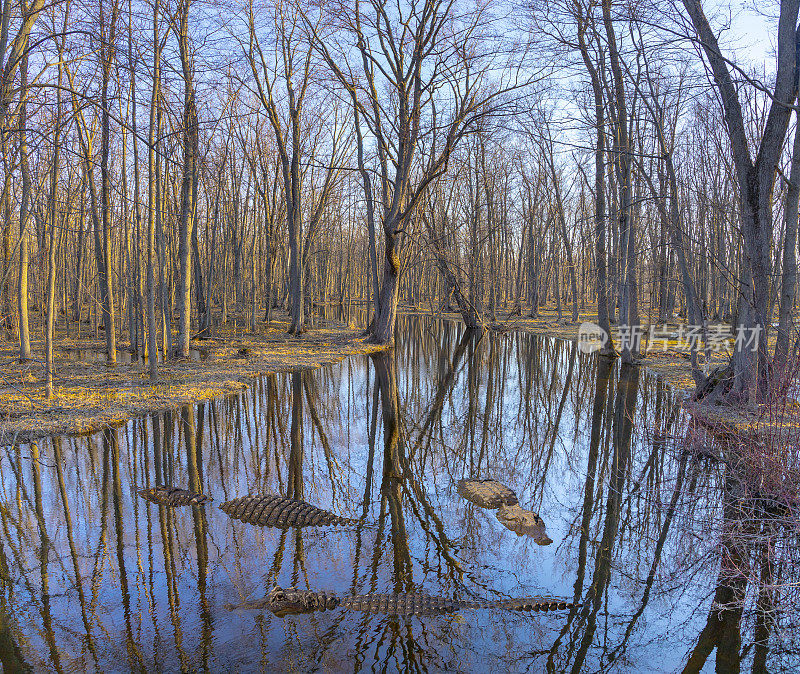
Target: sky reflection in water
x=96, y=578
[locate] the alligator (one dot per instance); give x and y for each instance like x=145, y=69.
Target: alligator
x=293, y=601
x=487, y=493
x=522, y=521
x=269, y=510
x=173, y=496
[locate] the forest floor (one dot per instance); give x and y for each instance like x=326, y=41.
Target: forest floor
x=91, y=395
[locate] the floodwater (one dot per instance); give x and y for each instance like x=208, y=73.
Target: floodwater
x=94, y=578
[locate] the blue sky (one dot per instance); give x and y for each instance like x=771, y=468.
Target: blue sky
x=752, y=35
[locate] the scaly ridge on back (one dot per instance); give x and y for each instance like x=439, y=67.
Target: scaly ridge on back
x=406, y=604
x=268, y=510
x=532, y=604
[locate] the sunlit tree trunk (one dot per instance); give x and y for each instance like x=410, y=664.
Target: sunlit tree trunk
x=152, y=186
x=104, y=251
x=52, y=239
x=24, y=214
x=188, y=185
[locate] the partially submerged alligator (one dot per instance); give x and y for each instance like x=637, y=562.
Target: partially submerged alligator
x=269, y=510
x=293, y=601
x=495, y=495
x=524, y=522
x=173, y=496
x=487, y=493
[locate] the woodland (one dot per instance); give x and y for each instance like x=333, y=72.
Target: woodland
x=169, y=167
x=295, y=248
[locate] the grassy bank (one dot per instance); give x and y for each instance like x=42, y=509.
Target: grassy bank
x=91, y=395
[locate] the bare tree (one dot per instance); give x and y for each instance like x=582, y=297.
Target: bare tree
x=432, y=62
x=755, y=180
x=292, y=69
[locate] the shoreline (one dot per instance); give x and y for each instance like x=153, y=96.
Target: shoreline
x=673, y=366
x=91, y=396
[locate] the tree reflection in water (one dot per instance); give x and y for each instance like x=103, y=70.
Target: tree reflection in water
x=669, y=564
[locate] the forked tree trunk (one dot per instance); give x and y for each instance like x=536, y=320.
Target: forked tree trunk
x=756, y=183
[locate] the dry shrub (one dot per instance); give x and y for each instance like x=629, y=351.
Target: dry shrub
x=758, y=545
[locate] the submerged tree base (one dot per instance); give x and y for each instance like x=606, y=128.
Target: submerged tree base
x=91, y=395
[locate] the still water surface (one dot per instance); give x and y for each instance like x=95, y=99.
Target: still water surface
x=97, y=579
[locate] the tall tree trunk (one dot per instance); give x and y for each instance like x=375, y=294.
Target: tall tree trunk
x=54, y=210
x=600, y=226
x=789, y=279
x=24, y=214
x=295, y=222
x=188, y=186
x=628, y=292
x=105, y=252
x=165, y=307
x=51, y=273
x=152, y=188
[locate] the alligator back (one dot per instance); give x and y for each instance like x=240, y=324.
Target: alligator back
x=421, y=604
x=487, y=493
x=406, y=604
x=269, y=510
x=174, y=496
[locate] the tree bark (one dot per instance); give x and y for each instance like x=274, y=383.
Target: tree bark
x=789, y=276
x=756, y=182
x=603, y=315
x=188, y=186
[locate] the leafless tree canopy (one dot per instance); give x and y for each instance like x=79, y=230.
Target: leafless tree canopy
x=171, y=166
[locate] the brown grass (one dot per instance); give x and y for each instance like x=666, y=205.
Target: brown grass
x=91, y=395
